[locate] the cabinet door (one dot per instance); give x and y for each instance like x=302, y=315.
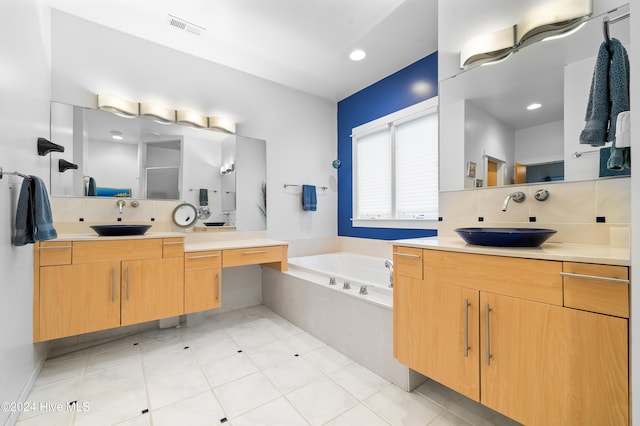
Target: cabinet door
x=152, y=289
x=77, y=299
x=202, y=290
x=407, y=313
x=544, y=364
x=448, y=349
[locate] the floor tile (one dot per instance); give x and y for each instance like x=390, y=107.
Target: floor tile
x=327, y=359
x=113, y=408
x=202, y=409
x=253, y=339
x=278, y=412
x=402, y=408
x=213, y=350
x=271, y=355
x=321, y=401
x=437, y=393
x=449, y=419
x=112, y=379
x=358, y=416
x=161, y=365
x=359, y=381
x=292, y=374
x=176, y=387
x=303, y=343
x=42, y=398
x=55, y=418
x=245, y=394
x=141, y=420
x=104, y=360
x=56, y=370
x=228, y=369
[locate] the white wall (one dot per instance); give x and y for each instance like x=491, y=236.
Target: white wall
x=485, y=136
x=300, y=129
x=540, y=144
x=24, y=115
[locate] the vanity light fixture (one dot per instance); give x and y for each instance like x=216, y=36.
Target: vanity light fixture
x=565, y=34
x=221, y=124
x=157, y=113
x=534, y=106
x=357, y=55
x=117, y=105
x=554, y=19
x=191, y=118
x=488, y=47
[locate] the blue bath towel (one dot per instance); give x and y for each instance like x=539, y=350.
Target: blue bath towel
x=34, y=221
x=309, y=199
x=598, y=107
x=619, y=74
x=204, y=197
x=92, y=189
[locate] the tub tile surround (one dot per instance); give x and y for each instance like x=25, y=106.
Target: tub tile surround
x=572, y=209
x=218, y=373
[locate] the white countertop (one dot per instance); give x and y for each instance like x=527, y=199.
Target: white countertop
x=190, y=246
x=571, y=252
x=86, y=236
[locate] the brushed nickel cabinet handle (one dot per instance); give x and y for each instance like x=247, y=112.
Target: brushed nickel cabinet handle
x=255, y=252
x=487, y=309
x=466, y=327
x=128, y=282
x=113, y=285
x=172, y=242
x=54, y=247
x=594, y=277
x=217, y=287
x=414, y=256
x=204, y=256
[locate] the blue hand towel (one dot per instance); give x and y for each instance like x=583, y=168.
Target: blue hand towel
x=598, y=107
x=92, y=189
x=204, y=197
x=309, y=199
x=619, y=73
x=34, y=221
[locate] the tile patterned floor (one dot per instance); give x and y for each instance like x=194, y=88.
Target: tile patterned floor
x=246, y=367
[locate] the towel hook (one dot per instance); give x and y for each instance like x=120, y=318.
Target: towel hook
x=605, y=29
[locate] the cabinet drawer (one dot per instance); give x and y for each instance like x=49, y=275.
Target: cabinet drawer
x=173, y=247
x=55, y=253
x=532, y=279
x=597, y=288
x=199, y=260
x=105, y=251
x=251, y=256
x=407, y=261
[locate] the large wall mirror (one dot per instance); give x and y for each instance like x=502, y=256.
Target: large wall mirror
x=491, y=136
x=144, y=159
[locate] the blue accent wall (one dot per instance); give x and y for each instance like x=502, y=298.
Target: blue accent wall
x=391, y=94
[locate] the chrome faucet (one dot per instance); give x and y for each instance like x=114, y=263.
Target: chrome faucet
x=518, y=197
x=121, y=204
x=389, y=264
x=363, y=289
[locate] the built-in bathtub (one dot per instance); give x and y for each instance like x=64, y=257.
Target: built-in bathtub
x=359, y=326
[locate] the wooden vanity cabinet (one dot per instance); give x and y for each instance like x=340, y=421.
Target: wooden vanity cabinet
x=203, y=281
x=498, y=330
x=86, y=286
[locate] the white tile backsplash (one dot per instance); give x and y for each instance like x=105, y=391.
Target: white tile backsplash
x=572, y=209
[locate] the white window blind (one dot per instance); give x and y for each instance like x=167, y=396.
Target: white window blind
x=416, y=144
x=374, y=175
x=395, y=173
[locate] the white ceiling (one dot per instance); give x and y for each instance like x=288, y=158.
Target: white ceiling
x=303, y=44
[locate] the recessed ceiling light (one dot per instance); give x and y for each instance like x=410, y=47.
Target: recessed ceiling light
x=116, y=135
x=533, y=106
x=357, y=55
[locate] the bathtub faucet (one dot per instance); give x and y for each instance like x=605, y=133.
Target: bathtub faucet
x=389, y=264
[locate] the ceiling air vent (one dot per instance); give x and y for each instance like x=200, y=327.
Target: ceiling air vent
x=184, y=25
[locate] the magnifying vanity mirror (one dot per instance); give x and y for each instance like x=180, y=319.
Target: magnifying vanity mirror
x=487, y=131
x=143, y=159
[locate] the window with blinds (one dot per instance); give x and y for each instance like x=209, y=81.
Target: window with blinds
x=395, y=173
